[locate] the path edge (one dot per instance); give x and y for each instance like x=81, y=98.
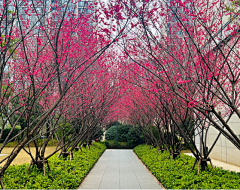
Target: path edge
x=92, y=168
x=149, y=171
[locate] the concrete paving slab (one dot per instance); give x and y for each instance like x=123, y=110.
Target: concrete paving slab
x=109, y=180
x=149, y=185
x=223, y=165
x=128, y=178
x=109, y=186
x=146, y=179
x=140, y=172
x=127, y=174
x=112, y=168
x=119, y=169
x=130, y=186
x=91, y=186
x=97, y=182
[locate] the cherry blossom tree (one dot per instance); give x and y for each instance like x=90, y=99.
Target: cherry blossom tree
x=190, y=48
x=42, y=64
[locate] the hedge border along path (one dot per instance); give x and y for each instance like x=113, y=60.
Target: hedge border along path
x=64, y=174
x=177, y=174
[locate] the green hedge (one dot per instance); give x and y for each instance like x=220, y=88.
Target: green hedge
x=177, y=174
x=125, y=133
x=52, y=142
x=120, y=145
x=6, y=131
x=64, y=174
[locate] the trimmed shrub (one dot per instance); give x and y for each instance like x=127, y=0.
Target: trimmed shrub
x=64, y=174
x=127, y=137
x=177, y=173
x=132, y=136
x=52, y=142
x=122, y=133
x=111, y=133
x=126, y=133
x=112, y=144
x=6, y=131
x=99, y=135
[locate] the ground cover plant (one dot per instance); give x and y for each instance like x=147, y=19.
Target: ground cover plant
x=177, y=173
x=64, y=174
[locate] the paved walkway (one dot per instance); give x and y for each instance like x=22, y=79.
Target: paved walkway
x=224, y=165
x=119, y=169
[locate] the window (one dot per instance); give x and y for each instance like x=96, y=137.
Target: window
x=11, y=8
x=84, y=4
x=24, y=16
x=84, y=7
x=84, y=11
x=81, y=3
x=72, y=9
x=55, y=1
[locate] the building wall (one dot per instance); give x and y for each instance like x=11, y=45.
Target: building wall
x=224, y=150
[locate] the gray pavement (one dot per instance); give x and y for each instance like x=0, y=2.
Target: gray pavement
x=119, y=169
x=223, y=165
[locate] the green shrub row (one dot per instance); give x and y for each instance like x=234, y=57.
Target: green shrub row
x=125, y=133
x=177, y=174
x=52, y=142
x=64, y=174
x=6, y=131
x=113, y=144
